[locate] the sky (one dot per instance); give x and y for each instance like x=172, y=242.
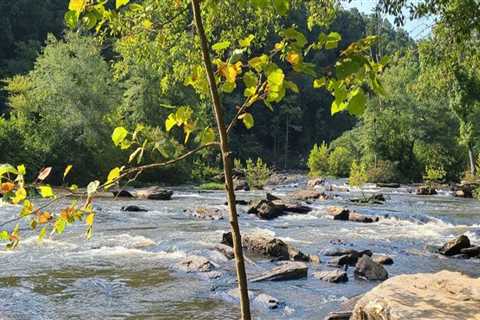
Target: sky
x=418, y=29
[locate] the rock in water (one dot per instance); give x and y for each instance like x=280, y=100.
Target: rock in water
x=388, y=185
x=472, y=251
x=225, y=250
x=286, y=271
x=382, y=259
x=455, y=246
x=195, y=264
x=268, y=246
x=208, y=213
x=133, y=208
x=349, y=215
x=349, y=259
x=367, y=269
x=334, y=276
x=304, y=195
x=153, y=193
x=440, y=296
x=312, y=183
x=426, y=191
x=240, y=184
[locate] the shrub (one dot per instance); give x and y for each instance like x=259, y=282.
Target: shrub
x=257, y=173
x=434, y=175
x=339, y=162
x=385, y=171
x=318, y=160
x=358, y=174
x=201, y=171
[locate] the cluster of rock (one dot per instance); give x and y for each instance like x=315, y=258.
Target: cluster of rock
x=465, y=189
x=373, y=199
x=460, y=248
x=150, y=193
x=239, y=179
x=349, y=215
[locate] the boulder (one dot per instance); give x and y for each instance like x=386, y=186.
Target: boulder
x=335, y=252
x=208, y=213
x=239, y=202
x=304, y=195
x=267, y=246
x=373, y=199
x=335, y=276
x=240, y=184
x=339, y=315
x=382, y=259
x=123, y=193
x=472, y=251
x=133, y=208
x=349, y=215
x=195, y=264
x=466, y=190
x=388, y=185
x=425, y=191
x=266, y=209
x=285, y=271
x=312, y=183
x=368, y=269
x=439, y=296
x=454, y=246
x=153, y=193
x=349, y=259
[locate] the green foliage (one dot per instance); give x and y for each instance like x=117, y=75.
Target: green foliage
x=212, y=186
x=383, y=171
x=257, y=173
x=339, y=162
x=318, y=160
x=358, y=174
x=434, y=175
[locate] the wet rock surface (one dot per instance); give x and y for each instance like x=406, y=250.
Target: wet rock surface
x=345, y=214
x=209, y=213
x=335, y=276
x=285, y=271
x=368, y=269
x=427, y=296
x=133, y=208
x=195, y=263
x=455, y=246
x=267, y=246
x=150, y=193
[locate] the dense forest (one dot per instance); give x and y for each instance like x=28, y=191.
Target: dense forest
x=64, y=92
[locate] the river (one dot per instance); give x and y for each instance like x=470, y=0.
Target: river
x=126, y=270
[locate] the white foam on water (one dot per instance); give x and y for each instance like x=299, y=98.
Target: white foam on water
x=262, y=232
x=289, y=240
x=127, y=241
x=47, y=243
x=298, y=217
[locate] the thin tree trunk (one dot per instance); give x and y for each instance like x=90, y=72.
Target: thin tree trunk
x=227, y=164
x=472, y=161
x=286, y=144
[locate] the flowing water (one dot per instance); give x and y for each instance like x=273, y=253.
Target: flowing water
x=126, y=271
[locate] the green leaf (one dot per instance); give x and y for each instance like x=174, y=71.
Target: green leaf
x=221, y=46
x=282, y=6
x=228, y=87
x=121, y=3
x=4, y=235
x=59, y=225
x=247, y=119
x=92, y=187
x=292, y=86
x=90, y=20
x=46, y=191
x=119, y=135
x=276, y=77
x=258, y=63
x=246, y=42
x=22, y=170
x=337, y=106
x=333, y=39
x=250, y=79
x=319, y=83
x=237, y=54
x=7, y=168
x=356, y=104
x=349, y=66
x=42, y=233
x=208, y=136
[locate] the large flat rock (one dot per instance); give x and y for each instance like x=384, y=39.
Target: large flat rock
x=440, y=296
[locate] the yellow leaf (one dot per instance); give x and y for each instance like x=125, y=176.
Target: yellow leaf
x=113, y=175
x=147, y=24
x=67, y=170
x=20, y=195
x=294, y=58
x=44, y=217
x=77, y=5
x=46, y=191
x=89, y=219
